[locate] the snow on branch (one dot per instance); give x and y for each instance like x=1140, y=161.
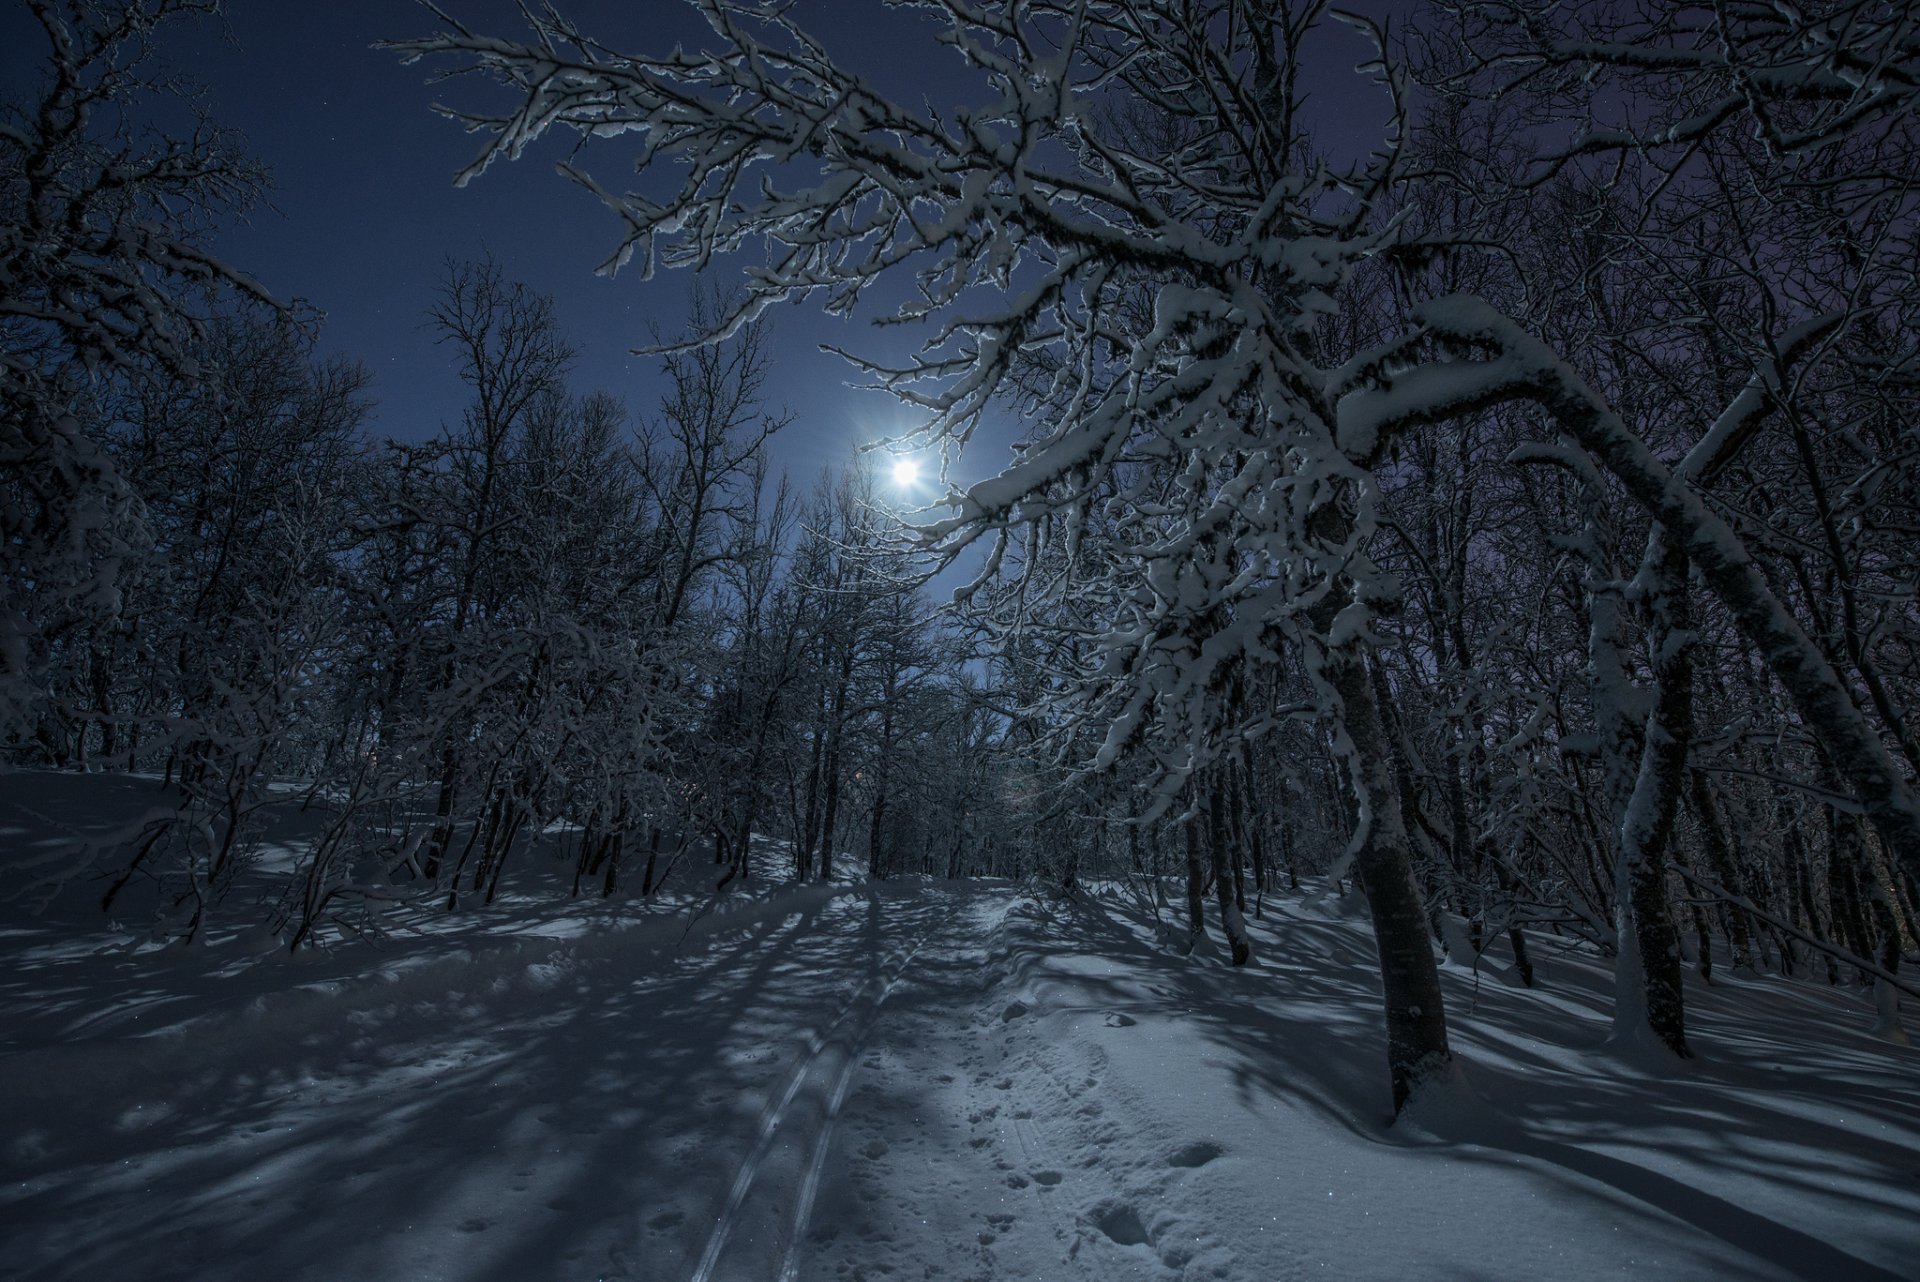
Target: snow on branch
x=1117, y=240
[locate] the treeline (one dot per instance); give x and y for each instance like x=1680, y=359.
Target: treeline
x=545, y=618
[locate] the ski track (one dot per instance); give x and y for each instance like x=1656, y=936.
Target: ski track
x=823, y=1072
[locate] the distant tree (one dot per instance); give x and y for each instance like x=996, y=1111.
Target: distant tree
x=215, y=664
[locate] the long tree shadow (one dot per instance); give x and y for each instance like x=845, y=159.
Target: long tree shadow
x=583, y=1113
x=565, y=1117
x=1302, y=1027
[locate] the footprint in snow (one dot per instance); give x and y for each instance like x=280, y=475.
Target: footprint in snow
x=1198, y=1153
x=1047, y=1179
x=1120, y=1222
x=1116, y=1020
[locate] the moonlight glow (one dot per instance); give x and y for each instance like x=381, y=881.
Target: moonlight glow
x=905, y=472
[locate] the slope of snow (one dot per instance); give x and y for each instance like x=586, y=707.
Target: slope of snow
x=913, y=1079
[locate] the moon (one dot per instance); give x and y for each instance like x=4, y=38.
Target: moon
x=905, y=472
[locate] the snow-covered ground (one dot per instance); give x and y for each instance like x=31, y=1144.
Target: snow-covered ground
x=907, y=1080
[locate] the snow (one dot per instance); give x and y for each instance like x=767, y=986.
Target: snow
x=903, y=1079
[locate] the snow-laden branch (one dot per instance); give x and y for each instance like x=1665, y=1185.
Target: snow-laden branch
x=1496, y=362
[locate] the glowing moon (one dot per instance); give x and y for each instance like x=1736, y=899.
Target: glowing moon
x=905, y=472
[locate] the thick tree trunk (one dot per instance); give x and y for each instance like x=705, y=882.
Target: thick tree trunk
x=1416, y=1019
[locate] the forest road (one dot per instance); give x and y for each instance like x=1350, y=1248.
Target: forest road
x=955, y=1100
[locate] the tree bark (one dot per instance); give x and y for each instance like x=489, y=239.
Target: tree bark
x=1648, y=977
x=1416, y=1019
x=1232, y=924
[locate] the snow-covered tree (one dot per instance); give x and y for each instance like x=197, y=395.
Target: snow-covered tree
x=105, y=278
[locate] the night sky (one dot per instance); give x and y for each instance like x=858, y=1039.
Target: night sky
x=364, y=214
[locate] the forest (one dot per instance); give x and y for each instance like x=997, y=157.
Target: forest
x=1507, y=524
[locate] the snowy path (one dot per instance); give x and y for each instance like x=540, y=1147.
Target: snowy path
x=792, y=1137
x=914, y=1081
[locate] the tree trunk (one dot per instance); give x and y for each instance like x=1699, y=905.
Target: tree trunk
x=647, y=886
x=1232, y=924
x=1719, y=848
x=1886, y=998
x=1196, y=885
x=1416, y=1020
x=442, y=839
x=804, y=840
x=1647, y=978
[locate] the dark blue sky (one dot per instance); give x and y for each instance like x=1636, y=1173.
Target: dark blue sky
x=364, y=213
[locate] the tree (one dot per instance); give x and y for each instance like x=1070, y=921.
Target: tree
x=108, y=280
x=232, y=614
